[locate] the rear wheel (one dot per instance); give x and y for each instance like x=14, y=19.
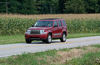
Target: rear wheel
x=28, y=41
x=63, y=39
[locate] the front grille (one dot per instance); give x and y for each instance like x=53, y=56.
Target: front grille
x=35, y=31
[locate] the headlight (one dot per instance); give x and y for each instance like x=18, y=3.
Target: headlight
x=42, y=32
x=28, y=31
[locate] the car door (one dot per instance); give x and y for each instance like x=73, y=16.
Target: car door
x=55, y=30
x=60, y=28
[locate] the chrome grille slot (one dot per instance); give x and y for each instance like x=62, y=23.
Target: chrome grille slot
x=35, y=31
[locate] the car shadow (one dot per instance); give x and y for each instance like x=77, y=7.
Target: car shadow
x=40, y=42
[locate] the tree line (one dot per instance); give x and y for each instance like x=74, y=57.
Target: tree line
x=49, y=6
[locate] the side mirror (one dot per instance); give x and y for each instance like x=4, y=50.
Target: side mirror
x=32, y=25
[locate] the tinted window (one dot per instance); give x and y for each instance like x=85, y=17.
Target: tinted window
x=55, y=24
x=64, y=24
x=59, y=22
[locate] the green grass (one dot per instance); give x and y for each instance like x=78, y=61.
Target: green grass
x=11, y=39
x=77, y=35
x=88, y=59
x=98, y=46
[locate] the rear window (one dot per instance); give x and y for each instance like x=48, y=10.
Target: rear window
x=64, y=24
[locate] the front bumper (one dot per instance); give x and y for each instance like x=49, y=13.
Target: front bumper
x=36, y=37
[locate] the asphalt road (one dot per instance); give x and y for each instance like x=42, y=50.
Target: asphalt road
x=16, y=49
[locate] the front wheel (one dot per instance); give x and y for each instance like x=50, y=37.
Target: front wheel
x=28, y=41
x=63, y=39
x=49, y=39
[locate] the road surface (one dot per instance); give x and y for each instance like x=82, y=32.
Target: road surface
x=16, y=49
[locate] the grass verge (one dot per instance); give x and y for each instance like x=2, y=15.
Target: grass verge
x=74, y=56
x=20, y=38
x=12, y=39
x=89, y=58
x=78, y=35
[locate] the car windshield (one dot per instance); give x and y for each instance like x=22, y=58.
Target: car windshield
x=44, y=24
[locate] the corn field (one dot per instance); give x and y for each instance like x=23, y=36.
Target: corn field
x=64, y=16
x=10, y=25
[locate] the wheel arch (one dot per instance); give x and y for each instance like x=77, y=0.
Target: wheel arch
x=65, y=32
x=50, y=33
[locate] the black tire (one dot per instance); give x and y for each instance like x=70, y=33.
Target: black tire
x=28, y=41
x=63, y=39
x=49, y=38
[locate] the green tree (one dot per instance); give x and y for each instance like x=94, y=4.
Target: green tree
x=75, y=6
x=13, y=6
x=92, y=6
x=48, y=6
x=27, y=7
x=54, y=5
x=99, y=6
x=2, y=6
x=61, y=6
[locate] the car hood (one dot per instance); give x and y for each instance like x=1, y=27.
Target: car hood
x=39, y=28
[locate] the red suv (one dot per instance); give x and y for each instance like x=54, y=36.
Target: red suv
x=46, y=30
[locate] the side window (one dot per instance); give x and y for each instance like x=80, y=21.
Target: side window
x=55, y=24
x=64, y=24
x=59, y=22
